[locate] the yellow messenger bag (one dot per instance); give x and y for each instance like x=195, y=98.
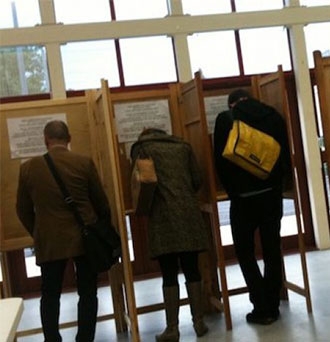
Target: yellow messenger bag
x=251, y=149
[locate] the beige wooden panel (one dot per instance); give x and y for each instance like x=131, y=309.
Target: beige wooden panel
x=224, y=90
x=195, y=131
x=12, y=234
x=322, y=75
x=168, y=94
x=105, y=139
x=271, y=89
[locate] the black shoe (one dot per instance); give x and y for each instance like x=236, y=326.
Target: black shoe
x=260, y=319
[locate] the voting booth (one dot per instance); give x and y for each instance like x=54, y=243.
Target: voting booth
x=179, y=110
x=21, y=138
x=104, y=124
x=271, y=89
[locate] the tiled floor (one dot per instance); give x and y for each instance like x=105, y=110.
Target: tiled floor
x=295, y=323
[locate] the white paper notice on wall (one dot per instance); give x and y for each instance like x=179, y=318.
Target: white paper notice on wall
x=133, y=117
x=26, y=134
x=213, y=106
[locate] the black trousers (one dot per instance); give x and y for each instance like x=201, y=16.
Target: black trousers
x=263, y=211
x=170, y=264
x=52, y=274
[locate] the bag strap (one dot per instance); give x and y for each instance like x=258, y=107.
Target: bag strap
x=66, y=195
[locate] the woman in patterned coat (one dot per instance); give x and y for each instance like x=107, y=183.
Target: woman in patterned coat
x=176, y=231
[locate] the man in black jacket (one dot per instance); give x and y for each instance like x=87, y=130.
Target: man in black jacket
x=255, y=203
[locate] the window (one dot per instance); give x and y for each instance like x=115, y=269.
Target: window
x=141, y=9
x=264, y=49
x=257, y=5
x=13, y=13
x=23, y=71
x=194, y=7
x=312, y=3
x=86, y=63
x=288, y=222
x=82, y=11
x=214, y=54
x=317, y=38
x=148, y=60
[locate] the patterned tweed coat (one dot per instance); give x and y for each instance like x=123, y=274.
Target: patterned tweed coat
x=175, y=223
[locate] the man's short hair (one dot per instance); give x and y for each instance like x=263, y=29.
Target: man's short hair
x=236, y=95
x=58, y=130
x=151, y=130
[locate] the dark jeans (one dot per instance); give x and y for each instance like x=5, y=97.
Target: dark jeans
x=262, y=211
x=52, y=274
x=169, y=266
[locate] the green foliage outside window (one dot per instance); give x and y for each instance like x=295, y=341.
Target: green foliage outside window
x=23, y=71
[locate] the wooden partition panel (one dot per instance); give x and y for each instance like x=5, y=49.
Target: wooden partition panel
x=12, y=234
x=105, y=139
x=142, y=107
x=133, y=111
x=192, y=113
x=217, y=100
x=271, y=89
x=322, y=75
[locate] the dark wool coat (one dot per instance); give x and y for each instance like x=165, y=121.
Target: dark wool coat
x=265, y=118
x=175, y=223
x=41, y=207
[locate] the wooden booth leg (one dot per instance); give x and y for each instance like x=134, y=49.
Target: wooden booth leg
x=118, y=298
x=6, y=292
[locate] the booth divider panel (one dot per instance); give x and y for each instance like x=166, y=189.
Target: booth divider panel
x=12, y=234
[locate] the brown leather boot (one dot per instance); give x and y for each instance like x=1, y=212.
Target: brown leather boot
x=194, y=291
x=171, y=301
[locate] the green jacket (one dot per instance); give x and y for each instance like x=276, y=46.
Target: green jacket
x=175, y=223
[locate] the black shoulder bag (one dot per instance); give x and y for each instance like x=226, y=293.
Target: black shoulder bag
x=101, y=241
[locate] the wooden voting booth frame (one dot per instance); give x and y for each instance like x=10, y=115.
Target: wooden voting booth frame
x=195, y=131
x=183, y=107
x=322, y=77
x=93, y=119
x=89, y=123
x=12, y=234
x=271, y=89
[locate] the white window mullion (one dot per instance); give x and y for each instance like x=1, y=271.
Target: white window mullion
x=180, y=42
x=55, y=68
x=53, y=52
x=309, y=133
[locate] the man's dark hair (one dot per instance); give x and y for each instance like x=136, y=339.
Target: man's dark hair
x=57, y=130
x=151, y=130
x=236, y=95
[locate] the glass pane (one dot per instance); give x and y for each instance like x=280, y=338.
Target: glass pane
x=23, y=70
x=288, y=222
x=214, y=54
x=311, y=3
x=148, y=60
x=142, y=9
x=130, y=240
x=32, y=270
x=19, y=13
x=289, y=219
x=82, y=11
x=257, y=5
x=317, y=38
x=225, y=228
x=264, y=49
x=196, y=7
x=86, y=63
